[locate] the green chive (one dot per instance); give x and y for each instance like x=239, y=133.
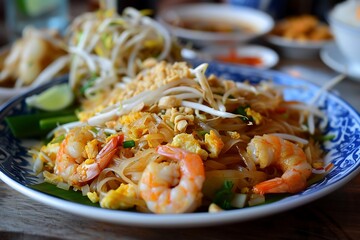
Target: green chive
x=51, y=123
x=325, y=138
x=129, y=144
x=58, y=139
x=28, y=125
x=241, y=111
x=89, y=83
x=224, y=195
x=203, y=132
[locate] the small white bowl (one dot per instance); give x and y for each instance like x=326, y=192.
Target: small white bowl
x=346, y=29
x=268, y=57
x=260, y=23
x=297, y=49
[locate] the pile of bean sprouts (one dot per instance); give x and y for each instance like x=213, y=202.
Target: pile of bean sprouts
x=108, y=48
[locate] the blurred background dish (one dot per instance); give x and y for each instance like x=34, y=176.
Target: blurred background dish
x=249, y=55
x=300, y=37
x=345, y=24
x=38, y=56
x=302, y=28
x=207, y=24
x=5, y=91
x=332, y=56
x=275, y=8
x=294, y=49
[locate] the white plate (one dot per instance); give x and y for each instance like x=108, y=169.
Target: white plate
x=332, y=57
x=343, y=151
x=268, y=56
x=296, y=49
x=261, y=22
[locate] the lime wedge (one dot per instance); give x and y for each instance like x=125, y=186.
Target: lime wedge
x=35, y=8
x=53, y=99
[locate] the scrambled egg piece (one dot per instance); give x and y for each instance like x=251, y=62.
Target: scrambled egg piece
x=255, y=115
x=122, y=198
x=93, y=196
x=49, y=150
x=91, y=149
x=52, y=178
x=317, y=165
x=234, y=135
x=213, y=144
x=46, y=159
x=189, y=143
x=136, y=124
x=130, y=118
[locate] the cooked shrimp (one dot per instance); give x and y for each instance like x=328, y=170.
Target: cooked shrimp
x=269, y=150
x=173, y=187
x=78, y=159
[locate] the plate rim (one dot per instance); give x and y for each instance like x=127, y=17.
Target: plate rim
x=188, y=219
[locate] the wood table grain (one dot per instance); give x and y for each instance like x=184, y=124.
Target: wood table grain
x=335, y=216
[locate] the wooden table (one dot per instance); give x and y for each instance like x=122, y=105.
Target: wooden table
x=335, y=216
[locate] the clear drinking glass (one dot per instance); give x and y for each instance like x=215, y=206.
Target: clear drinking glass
x=52, y=14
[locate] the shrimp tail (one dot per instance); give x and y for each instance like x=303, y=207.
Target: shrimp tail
x=269, y=150
x=275, y=185
x=285, y=184
x=90, y=171
x=109, y=150
x=171, y=152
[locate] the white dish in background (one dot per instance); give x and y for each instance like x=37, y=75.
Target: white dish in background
x=332, y=56
x=297, y=49
x=261, y=22
x=269, y=58
x=345, y=26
